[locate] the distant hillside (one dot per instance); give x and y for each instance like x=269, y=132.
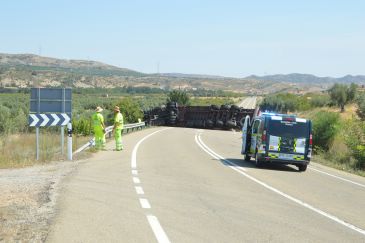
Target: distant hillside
x=183, y=75
x=39, y=63
x=308, y=78
x=28, y=70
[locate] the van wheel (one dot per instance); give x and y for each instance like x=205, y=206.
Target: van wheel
x=258, y=162
x=247, y=157
x=302, y=167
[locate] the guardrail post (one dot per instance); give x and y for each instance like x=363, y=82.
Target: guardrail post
x=69, y=141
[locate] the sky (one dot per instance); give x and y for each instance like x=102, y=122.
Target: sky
x=233, y=38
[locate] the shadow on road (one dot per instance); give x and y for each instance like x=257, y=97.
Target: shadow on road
x=265, y=166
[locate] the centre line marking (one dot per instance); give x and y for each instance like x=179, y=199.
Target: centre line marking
x=152, y=220
x=234, y=166
x=139, y=190
x=136, y=180
x=144, y=203
x=157, y=229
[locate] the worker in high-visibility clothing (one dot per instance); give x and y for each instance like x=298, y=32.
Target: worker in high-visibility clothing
x=99, y=128
x=118, y=128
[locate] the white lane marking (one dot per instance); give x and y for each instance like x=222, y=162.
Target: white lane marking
x=134, y=153
x=337, y=177
x=306, y=205
x=214, y=154
x=139, y=190
x=136, y=180
x=157, y=229
x=152, y=220
x=144, y=203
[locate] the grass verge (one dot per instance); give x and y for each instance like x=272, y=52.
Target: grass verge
x=19, y=150
x=322, y=159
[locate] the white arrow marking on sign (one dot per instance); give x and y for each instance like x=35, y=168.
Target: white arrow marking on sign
x=35, y=120
x=45, y=120
x=67, y=119
x=56, y=119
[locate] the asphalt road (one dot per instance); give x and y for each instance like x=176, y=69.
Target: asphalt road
x=189, y=185
x=248, y=103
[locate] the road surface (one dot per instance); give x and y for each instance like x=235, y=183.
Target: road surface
x=248, y=103
x=190, y=185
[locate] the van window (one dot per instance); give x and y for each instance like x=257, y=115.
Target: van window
x=288, y=129
x=255, y=126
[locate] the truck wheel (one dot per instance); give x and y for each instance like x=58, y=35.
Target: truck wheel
x=225, y=107
x=258, y=162
x=235, y=108
x=302, y=167
x=247, y=157
x=230, y=124
x=219, y=124
x=209, y=123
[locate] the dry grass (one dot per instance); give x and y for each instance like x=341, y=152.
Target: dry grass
x=350, y=112
x=348, y=167
x=20, y=150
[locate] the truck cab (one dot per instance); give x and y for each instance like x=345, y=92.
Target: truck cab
x=277, y=138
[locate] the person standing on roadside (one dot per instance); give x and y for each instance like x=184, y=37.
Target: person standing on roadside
x=118, y=128
x=99, y=128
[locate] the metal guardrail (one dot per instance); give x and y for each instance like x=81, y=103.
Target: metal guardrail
x=108, y=132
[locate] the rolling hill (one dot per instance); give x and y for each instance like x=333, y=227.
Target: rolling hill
x=29, y=70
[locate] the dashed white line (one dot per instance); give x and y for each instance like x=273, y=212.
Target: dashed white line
x=157, y=229
x=337, y=177
x=144, y=203
x=306, y=205
x=152, y=220
x=136, y=180
x=139, y=190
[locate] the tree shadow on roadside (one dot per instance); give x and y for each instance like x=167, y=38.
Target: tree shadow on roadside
x=265, y=166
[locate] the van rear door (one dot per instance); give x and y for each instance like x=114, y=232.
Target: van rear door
x=288, y=135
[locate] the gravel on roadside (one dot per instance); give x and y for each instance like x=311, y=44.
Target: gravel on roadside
x=27, y=200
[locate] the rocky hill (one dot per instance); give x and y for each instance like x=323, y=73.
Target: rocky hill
x=28, y=70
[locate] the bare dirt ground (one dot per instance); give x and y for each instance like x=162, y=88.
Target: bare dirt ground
x=27, y=200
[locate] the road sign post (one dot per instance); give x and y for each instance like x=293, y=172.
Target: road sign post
x=51, y=107
x=69, y=141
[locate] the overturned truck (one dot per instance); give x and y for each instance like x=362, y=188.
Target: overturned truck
x=209, y=117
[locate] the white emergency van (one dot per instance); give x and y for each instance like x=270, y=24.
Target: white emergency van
x=277, y=138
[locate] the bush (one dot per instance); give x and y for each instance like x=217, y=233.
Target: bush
x=5, y=120
x=325, y=127
x=287, y=102
x=181, y=97
x=130, y=109
x=355, y=139
x=361, y=106
x=320, y=100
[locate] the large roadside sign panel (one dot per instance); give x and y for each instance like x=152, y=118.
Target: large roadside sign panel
x=51, y=107
x=48, y=100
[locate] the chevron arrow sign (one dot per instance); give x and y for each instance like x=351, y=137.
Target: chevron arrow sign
x=47, y=120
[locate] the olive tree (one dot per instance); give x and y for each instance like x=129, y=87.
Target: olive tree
x=181, y=97
x=342, y=94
